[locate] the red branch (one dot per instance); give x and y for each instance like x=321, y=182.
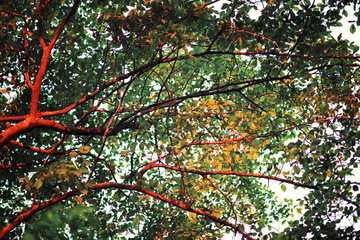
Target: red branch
x=36, y=89
x=29, y=123
x=278, y=54
x=15, y=14
x=14, y=118
x=233, y=140
x=36, y=208
x=45, y=59
x=32, y=148
x=256, y=175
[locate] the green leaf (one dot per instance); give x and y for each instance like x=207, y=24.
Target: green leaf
x=29, y=236
x=345, y=13
x=296, y=169
x=352, y=28
x=193, y=98
x=355, y=49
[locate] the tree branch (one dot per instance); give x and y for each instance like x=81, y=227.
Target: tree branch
x=108, y=185
x=205, y=173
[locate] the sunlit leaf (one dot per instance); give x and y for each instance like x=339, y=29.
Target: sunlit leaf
x=190, y=108
x=73, y=154
x=124, y=153
x=38, y=183
x=296, y=169
x=84, y=149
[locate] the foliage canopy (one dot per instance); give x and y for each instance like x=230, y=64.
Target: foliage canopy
x=169, y=119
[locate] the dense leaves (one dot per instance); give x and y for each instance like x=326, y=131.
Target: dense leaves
x=176, y=119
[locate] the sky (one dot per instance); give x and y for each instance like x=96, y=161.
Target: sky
x=345, y=29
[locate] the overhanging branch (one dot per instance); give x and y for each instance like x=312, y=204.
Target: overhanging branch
x=206, y=173
x=108, y=185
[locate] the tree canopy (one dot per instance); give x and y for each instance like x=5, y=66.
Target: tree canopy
x=168, y=119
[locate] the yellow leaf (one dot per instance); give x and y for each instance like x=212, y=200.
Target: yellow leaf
x=61, y=171
x=328, y=173
x=124, y=153
x=87, y=163
x=217, y=214
x=78, y=199
x=144, y=197
x=135, y=133
x=215, y=163
x=84, y=149
x=192, y=215
x=24, y=179
x=84, y=191
x=73, y=154
x=239, y=114
x=190, y=163
x=272, y=113
x=253, y=153
x=193, y=221
x=38, y=183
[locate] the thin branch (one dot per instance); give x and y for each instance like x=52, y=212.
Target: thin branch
x=108, y=185
x=241, y=174
x=34, y=209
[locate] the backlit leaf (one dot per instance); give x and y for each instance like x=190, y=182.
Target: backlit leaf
x=84, y=149
x=352, y=28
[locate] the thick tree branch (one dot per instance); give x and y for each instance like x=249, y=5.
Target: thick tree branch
x=14, y=131
x=31, y=123
x=45, y=58
x=14, y=118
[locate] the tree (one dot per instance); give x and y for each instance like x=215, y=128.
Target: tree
x=162, y=119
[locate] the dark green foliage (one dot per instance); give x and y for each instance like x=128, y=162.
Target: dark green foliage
x=168, y=119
